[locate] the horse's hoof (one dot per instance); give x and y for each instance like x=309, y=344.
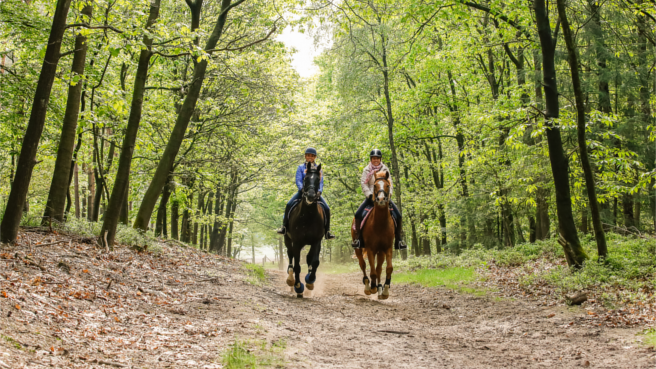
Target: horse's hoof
x=374, y=289
x=310, y=286
x=299, y=295
x=383, y=297
x=309, y=279
x=367, y=289
x=365, y=281
x=380, y=289
x=290, y=277
x=299, y=288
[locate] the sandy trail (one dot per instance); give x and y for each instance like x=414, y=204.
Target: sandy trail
x=339, y=327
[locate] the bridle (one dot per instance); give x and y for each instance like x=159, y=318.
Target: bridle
x=311, y=186
x=383, y=190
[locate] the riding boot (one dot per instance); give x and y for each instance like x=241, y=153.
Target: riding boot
x=285, y=221
x=326, y=211
x=356, y=244
x=399, y=244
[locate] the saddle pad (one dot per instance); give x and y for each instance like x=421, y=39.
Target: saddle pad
x=291, y=208
x=367, y=211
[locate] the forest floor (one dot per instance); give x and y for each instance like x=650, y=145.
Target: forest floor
x=72, y=305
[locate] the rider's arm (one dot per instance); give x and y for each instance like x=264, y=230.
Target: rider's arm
x=299, y=177
x=366, y=190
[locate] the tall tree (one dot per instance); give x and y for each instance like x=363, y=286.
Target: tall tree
x=27, y=159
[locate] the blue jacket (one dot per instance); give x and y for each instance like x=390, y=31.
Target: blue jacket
x=300, y=176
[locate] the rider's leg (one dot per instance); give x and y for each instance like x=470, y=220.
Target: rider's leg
x=359, y=214
x=285, y=218
x=399, y=244
x=326, y=211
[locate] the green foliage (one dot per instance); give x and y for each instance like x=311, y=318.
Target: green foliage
x=256, y=274
x=12, y=342
x=254, y=354
x=449, y=278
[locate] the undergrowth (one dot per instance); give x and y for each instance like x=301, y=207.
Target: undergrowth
x=454, y=278
x=628, y=273
x=254, y=354
x=255, y=273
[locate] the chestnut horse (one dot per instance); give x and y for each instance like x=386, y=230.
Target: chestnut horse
x=306, y=227
x=378, y=237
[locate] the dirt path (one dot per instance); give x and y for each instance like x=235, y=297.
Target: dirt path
x=339, y=327
x=68, y=304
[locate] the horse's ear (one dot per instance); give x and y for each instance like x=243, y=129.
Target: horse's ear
x=319, y=168
x=386, y=175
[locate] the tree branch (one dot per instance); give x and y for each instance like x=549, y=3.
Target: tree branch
x=93, y=27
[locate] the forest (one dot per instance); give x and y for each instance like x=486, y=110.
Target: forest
x=148, y=149
x=502, y=123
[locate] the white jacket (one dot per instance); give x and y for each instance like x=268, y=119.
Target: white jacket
x=368, y=187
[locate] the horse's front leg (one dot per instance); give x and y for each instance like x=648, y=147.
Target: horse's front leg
x=298, y=285
x=313, y=263
x=363, y=266
x=290, y=268
x=372, y=265
x=388, y=275
x=380, y=258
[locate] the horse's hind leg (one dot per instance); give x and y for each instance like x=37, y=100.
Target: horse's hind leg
x=290, y=268
x=313, y=263
x=363, y=266
x=372, y=274
x=388, y=275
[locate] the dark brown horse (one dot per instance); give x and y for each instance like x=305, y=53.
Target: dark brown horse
x=306, y=227
x=378, y=237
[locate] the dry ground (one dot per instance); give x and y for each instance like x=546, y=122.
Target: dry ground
x=182, y=308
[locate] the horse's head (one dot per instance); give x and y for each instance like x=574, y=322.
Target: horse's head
x=382, y=188
x=311, y=183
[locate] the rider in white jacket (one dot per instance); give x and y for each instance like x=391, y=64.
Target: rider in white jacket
x=367, y=183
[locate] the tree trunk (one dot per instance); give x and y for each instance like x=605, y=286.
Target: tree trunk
x=186, y=220
x=175, y=207
x=27, y=159
x=600, y=237
x=574, y=253
x=584, y=220
x=532, y=226
x=120, y=189
x=124, y=218
x=627, y=209
x=60, y=183
x=182, y=121
x=281, y=263
x=199, y=208
x=415, y=240
x=77, y=191
x=160, y=226
x=636, y=215
x=91, y=191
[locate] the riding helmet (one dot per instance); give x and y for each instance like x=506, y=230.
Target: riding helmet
x=311, y=150
x=376, y=152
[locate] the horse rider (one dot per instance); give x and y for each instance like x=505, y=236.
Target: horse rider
x=310, y=157
x=367, y=182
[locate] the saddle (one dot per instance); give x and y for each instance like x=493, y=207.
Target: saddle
x=367, y=211
x=291, y=208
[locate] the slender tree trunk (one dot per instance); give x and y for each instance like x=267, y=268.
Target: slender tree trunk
x=175, y=206
x=182, y=121
x=574, y=253
x=199, y=208
x=27, y=159
x=532, y=226
x=124, y=218
x=77, y=191
x=584, y=220
x=120, y=189
x=415, y=241
x=60, y=183
x=92, y=189
x=160, y=226
x=600, y=237
x=627, y=210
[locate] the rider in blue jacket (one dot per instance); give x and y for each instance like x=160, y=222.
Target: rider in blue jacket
x=310, y=157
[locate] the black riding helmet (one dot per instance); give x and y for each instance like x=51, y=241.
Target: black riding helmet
x=311, y=150
x=375, y=152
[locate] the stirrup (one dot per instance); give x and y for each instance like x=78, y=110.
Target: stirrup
x=282, y=230
x=400, y=245
x=329, y=236
x=356, y=243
